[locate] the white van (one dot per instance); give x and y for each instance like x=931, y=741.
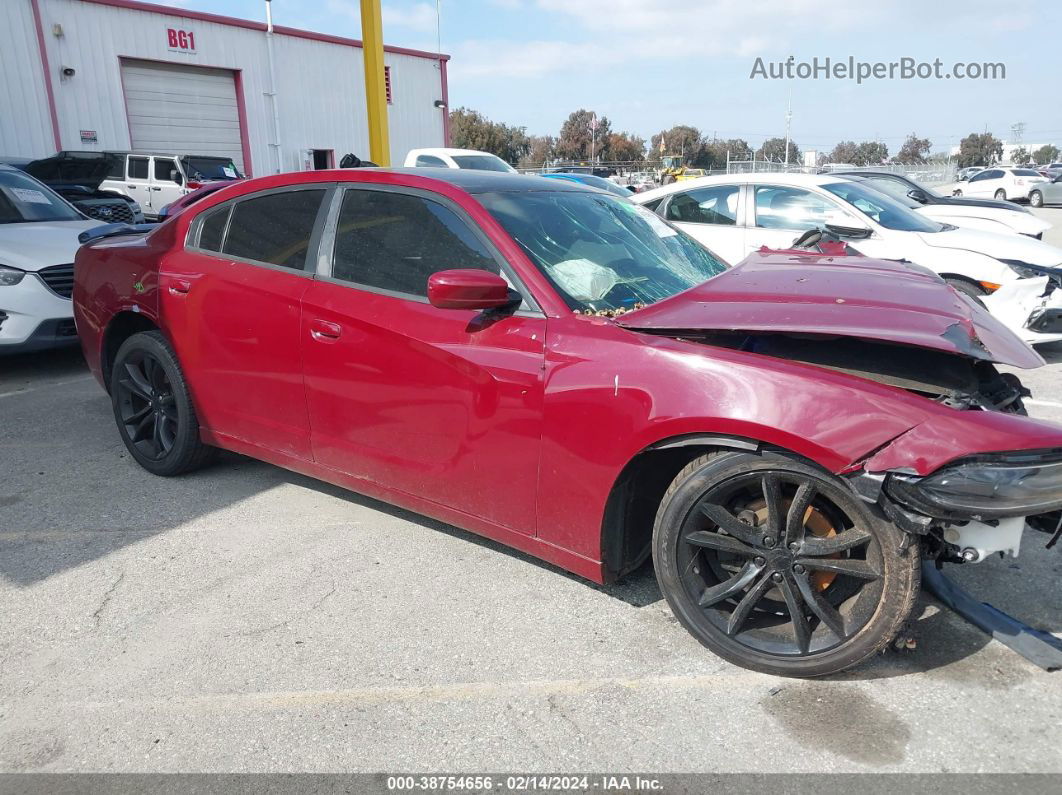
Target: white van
x=155, y=180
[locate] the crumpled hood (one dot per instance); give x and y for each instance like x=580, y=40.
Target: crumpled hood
x=40, y=244
x=884, y=300
x=999, y=245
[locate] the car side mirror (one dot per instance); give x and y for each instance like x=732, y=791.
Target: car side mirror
x=468, y=288
x=175, y=176
x=918, y=195
x=851, y=228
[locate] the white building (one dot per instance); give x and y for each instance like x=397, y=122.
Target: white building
x=125, y=75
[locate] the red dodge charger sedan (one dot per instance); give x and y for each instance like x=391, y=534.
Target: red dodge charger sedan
x=562, y=371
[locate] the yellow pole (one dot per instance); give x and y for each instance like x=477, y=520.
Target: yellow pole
x=375, y=91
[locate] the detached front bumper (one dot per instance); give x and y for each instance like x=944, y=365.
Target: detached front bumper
x=1031, y=308
x=974, y=507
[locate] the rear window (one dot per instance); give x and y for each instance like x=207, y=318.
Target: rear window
x=275, y=228
x=1026, y=172
x=482, y=163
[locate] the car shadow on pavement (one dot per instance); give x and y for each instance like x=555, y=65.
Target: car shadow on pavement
x=638, y=588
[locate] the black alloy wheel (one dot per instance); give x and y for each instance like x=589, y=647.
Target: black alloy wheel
x=153, y=407
x=146, y=405
x=777, y=566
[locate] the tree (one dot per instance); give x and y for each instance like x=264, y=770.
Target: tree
x=979, y=149
x=541, y=150
x=1045, y=154
x=714, y=152
x=773, y=149
x=470, y=129
x=682, y=139
x=871, y=153
x=575, y=139
x=914, y=150
x=845, y=152
x=626, y=146
x=1021, y=156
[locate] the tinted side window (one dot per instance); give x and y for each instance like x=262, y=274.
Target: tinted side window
x=394, y=241
x=117, y=169
x=275, y=228
x=652, y=205
x=138, y=168
x=213, y=229
x=430, y=160
x=715, y=205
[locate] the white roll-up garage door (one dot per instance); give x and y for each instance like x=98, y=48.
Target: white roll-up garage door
x=182, y=109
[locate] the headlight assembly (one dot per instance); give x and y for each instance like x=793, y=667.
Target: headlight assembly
x=9, y=277
x=984, y=488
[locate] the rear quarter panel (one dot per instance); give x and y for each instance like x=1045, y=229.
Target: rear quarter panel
x=111, y=276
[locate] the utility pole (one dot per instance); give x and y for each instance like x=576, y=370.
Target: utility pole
x=788, y=116
x=375, y=89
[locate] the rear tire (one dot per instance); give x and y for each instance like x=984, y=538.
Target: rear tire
x=1036, y=199
x=153, y=407
x=804, y=595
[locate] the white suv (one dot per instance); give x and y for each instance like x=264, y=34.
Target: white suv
x=1001, y=183
x=38, y=240
x=157, y=180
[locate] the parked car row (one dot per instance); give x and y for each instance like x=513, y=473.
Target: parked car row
x=1015, y=275
x=574, y=375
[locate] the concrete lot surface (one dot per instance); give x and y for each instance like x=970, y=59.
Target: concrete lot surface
x=247, y=619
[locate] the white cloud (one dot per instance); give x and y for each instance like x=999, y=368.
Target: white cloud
x=632, y=30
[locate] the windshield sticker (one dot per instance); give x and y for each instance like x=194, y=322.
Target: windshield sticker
x=661, y=229
x=229, y=172
x=30, y=196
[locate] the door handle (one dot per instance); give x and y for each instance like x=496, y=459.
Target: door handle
x=154, y=188
x=323, y=331
x=180, y=287
x=131, y=187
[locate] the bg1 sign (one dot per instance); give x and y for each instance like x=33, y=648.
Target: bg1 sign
x=180, y=40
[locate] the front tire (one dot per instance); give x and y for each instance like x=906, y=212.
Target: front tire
x=153, y=407
x=969, y=288
x=1001, y=195
x=1036, y=199
x=777, y=566
x=956, y=192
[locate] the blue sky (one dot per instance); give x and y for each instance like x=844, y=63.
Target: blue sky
x=648, y=65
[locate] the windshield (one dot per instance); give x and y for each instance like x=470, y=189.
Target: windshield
x=482, y=163
x=23, y=199
x=881, y=208
x=603, y=254
x=199, y=168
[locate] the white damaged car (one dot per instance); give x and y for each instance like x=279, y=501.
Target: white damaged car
x=1018, y=277
x=38, y=240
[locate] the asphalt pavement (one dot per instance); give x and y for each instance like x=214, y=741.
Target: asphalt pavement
x=244, y=618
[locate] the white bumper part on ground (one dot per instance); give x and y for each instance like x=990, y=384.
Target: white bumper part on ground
x=1015, y=303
